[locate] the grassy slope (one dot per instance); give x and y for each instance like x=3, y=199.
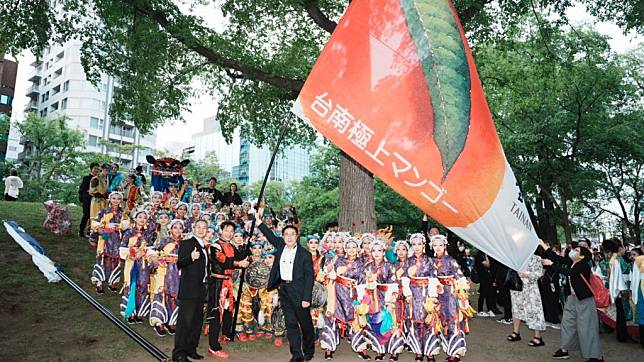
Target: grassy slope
x=51, y=322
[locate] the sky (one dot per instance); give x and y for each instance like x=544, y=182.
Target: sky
x=205, y=106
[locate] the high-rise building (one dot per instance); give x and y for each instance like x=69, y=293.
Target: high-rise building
x=60, y=87
x=211, y=139
x=246, y=162
x=291, y=164
x=8, y=74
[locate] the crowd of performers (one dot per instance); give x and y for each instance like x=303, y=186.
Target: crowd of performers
x=376, y=294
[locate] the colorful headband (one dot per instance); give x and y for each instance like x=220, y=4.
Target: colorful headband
x=439, y=238
x=240, y=231
x=137, y=212
x=417, y=236
x=266, y=253
x=377, y=242
x=176, y=221
x=313, y=237
x=192, y=206
x=182, y=204
x=114, y=193
x=165, y=212
x=156, y=193
x=257, y=243
x=365, y=236
x=351, y=239
x=402, y=243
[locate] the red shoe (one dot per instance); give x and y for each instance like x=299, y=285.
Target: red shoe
x=278, y=342
x=252, y=337
x=221, y=354
x=268, y=336
x=223, y=339
x=242, y=337
x=259, y=333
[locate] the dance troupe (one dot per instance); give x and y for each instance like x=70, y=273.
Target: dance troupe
x=372, y=292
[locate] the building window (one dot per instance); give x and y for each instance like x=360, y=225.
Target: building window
x=66, y=86
x=13, y=148
x=6, y=100
x=95, y=123
x=63, y=104
x=93, y=141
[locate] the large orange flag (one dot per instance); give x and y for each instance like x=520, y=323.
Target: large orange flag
x=397, y=89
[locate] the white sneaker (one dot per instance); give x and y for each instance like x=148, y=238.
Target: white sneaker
x=482, y=314
x=554, y=326
x=491, y=314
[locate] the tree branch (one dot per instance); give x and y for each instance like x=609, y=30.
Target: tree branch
x=193, y=43
x=470, y=12
x=312, y=8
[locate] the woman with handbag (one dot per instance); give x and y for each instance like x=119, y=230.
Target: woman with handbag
x=526, y=303
x=580, y=323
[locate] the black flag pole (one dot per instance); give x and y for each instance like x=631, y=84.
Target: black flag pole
x=252, y=226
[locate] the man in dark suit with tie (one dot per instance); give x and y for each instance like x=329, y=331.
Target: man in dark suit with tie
x=292, y=273
x=193, y=264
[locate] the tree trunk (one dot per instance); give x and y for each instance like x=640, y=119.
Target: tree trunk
x=546, y=215
x=566, y=219
x=357, y=202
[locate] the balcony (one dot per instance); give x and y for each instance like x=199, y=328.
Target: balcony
x=35, y=76
x=33, y=91
x=31, y=106
x=36, y=63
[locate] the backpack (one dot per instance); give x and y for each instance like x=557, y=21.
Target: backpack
x=596, y=286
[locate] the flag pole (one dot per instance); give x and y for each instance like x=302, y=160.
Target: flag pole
x=252, y=227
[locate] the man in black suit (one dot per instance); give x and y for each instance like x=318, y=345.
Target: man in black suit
x=292, y=273
x=217, y=196
x=85, y=198
x=193, y=264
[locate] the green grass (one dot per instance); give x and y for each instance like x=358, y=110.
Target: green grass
x=44, y=321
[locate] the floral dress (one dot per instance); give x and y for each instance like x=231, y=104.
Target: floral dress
x=526, y=304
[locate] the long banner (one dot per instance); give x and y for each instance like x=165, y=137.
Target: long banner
x=397, y=89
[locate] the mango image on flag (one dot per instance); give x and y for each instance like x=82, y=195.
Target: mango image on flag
x=396, y=88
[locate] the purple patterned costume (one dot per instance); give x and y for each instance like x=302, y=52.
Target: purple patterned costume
x=136, y=266
x=340, y=302
x=380, y=332
x=108, y=233
x=452, y=336
x=166, y=286
x=420, y=336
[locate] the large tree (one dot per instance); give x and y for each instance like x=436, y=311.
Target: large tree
x=257, y=61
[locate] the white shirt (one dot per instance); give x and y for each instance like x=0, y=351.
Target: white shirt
x=205, y=252
x=11, y=185
x=286, y=263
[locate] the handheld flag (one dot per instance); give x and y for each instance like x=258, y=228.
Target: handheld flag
x=396, y=88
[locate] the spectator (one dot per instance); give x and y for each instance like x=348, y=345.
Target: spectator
x=487, y=286
x=232, y=197
x=115, y=179
x=140, y=177
x=217, y=196
x=12, y=186
x=526, y=304
x=580, y=323
x=549, y=289
x=504, y=293
x=85, y=198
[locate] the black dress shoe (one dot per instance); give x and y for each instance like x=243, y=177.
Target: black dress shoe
x=181, y=359
x=195, y=355
x=308, y=357
x=296, y=359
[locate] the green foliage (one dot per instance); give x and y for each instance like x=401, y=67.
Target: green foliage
x=277, y=194
x=200, y=171
x=52, y=148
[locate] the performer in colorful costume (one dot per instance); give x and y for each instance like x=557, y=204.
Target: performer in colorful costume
x=132, y=194
x=221, y=303
x=164, y=312
x=108, y=228
x=637, y=289
x=166, y=170
x=343, y=274
x=135, y=301
x=455, y=309
x=379, y=294
x=420, y=288
x=98, y=191
x=246, y=324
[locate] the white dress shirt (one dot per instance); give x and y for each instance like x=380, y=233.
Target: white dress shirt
x=286, y=263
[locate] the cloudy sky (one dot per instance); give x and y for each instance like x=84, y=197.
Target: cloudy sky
x=205, y=106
